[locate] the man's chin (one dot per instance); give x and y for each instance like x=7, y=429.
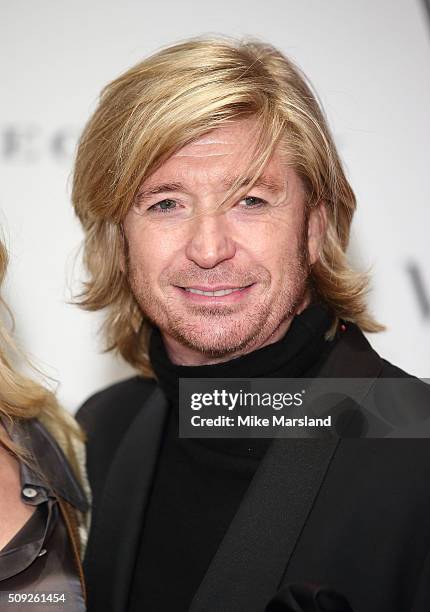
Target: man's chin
x=212, y=342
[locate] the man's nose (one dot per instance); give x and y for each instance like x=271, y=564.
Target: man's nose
x=209, y=240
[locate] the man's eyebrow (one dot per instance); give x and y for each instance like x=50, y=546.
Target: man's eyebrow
x=266, y=182
x=145, y=192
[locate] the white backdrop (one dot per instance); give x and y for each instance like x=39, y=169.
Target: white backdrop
x=369, y=62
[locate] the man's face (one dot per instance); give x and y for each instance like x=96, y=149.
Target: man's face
x=258, y=250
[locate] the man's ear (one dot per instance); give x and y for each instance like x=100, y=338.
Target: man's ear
x=317, y=227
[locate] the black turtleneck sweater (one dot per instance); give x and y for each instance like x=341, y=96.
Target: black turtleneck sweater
x=199, y=483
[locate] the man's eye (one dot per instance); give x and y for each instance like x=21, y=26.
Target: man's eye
x=163, y=206
x=253, y=202
x=167, y=205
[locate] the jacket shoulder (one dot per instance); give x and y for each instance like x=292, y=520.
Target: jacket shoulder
x=105, y=418
x=389, y=370
x=114, y=406
x=410, y=387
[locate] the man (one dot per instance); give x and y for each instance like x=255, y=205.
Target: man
x=217, y=216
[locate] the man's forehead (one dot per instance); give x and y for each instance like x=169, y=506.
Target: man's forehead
x=208, y=146
x=225, y=140
x=220, y=157
x=214, y=149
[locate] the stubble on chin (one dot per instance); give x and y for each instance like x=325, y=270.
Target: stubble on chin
x=218, y=332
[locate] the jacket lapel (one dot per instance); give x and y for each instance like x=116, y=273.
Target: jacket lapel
x=250, y=563
x=112, y=547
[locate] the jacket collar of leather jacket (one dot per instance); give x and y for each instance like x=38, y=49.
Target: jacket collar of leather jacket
x=52, y=472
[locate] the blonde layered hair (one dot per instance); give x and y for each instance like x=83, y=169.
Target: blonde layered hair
x=24, y=398
x=170, y=99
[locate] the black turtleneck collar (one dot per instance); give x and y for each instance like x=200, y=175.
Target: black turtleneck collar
x=297, y=354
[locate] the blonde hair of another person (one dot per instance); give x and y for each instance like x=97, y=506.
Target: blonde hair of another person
x=166, y=101
x=21, y=397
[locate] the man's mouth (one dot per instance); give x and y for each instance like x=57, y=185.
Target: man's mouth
x=215, y=291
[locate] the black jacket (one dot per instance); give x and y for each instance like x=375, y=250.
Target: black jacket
x=348, y=514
